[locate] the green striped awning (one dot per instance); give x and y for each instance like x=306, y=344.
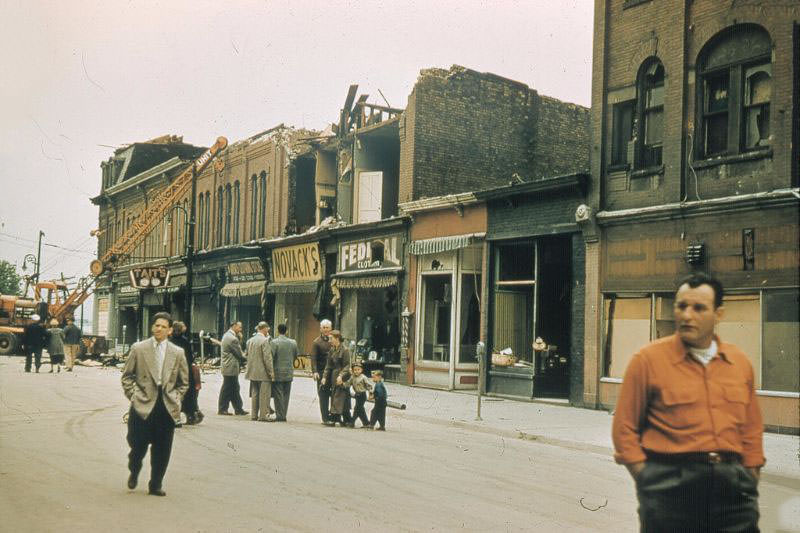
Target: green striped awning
x=242, y=288
x=443, y=244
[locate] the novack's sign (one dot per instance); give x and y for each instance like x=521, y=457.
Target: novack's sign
x=296, y=263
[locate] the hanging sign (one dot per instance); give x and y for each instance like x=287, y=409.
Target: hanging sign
x=247, y=270
x=296, y=263
x=149, y=277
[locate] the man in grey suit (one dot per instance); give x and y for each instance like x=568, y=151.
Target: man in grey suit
x=260, y=373
x=232, y=356
x=284, y=350
x=155, y=378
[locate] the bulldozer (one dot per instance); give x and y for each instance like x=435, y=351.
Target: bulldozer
x=16, y=312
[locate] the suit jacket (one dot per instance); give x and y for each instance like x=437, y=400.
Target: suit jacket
x=139, y=378
x=231, y=354
x=259, y=359
x=284, y=351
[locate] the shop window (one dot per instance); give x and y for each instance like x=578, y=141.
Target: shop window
x=781, y=334
x=469, y=327
x=516, y=264
x=740, y=325
x=626, y=329
x=437, y=302
x=370, y=193
x=651, y=105
x=622, y=132
x=735, y=90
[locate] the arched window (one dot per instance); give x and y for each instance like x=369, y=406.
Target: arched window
x=228, y=212
x=220, y=206
x=734, y=91
x=236, y=200
x=207, y=221
x=262, y=210
x=253, y=206
x=201, y=210
x=650, y=89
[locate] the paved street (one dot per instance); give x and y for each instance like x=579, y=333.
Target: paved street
x=63, y=466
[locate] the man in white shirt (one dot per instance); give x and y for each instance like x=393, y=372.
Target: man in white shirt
x=155, y=379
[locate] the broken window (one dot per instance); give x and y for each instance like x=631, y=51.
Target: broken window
x=622, y=132
x=736, y=89
x=651, y=134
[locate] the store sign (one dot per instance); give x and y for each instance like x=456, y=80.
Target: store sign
x=149, y=277
x=296, y=263
x=247, y=270
x=369, y=254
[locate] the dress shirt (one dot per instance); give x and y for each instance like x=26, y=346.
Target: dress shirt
x=161, y=352
x=670, y=403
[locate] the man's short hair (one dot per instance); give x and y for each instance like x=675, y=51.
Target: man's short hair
x=325, y=322
x=234, y=323
x=377, y=373
x=281, y=329
x=163, y=314
x=262, y=325
x=696, y=279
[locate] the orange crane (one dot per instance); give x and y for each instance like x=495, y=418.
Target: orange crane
x=127, y=242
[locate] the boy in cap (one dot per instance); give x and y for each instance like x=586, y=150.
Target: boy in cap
x=360, y=385
x=378, y=414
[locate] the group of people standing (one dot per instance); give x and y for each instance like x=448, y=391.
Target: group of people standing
x=335, y=374
x=270, y=370
x=60, y=343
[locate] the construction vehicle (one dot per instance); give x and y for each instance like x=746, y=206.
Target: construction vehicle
x=58, y=302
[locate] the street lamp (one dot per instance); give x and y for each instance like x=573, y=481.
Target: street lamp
x=29, y=258
x=188, y=254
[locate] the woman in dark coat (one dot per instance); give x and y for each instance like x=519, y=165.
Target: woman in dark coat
x=189, y=403
x=337, y=371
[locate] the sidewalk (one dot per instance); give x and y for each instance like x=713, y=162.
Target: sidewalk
x=565, y=426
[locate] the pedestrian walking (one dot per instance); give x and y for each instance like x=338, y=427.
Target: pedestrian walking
x=378, y=414
x=72, y=343
x=189, y=404
x=361, y=385
x=687, y=423
x=319, y=358
x=260, y=373
x=232, y=357
x=34, y=338
x=337, y=371
x=55, y=345
x=284, y=351
x=154, y=379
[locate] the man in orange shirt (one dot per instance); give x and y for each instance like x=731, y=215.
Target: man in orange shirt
x=687, y=423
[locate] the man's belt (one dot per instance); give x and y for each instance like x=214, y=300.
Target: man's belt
x=695, y=457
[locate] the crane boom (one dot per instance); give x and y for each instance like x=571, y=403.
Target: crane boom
x=127, y=242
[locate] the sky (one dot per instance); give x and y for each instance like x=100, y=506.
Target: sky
x=81, y=78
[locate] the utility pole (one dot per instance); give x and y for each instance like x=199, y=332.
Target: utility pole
x=39, y=255
x=187, y=300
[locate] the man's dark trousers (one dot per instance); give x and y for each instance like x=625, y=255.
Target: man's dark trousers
x=229, y=394
x=37, y=357
x=281, y=391
x=324, y=394
x=696, y=497
x=359, y=411
x=157, y=432
x=378, y=414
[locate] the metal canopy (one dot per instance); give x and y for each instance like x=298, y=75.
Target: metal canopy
x=443, y=244
x=242, y=288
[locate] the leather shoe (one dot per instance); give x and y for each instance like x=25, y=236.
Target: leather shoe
x=242, y=413
x=132, y=481
x=223, y=413
x=156, y=492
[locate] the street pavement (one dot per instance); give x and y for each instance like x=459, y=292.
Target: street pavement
x=523, y=467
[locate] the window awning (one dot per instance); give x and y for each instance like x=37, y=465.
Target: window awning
x=298, y=287
x=367, y=282
x=242, y=288
x=443, y=244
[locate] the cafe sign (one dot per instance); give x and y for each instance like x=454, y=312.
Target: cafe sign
x=247, y=270
x=370, y=254
x=296, y=263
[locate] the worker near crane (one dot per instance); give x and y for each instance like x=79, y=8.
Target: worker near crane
x=34, y=339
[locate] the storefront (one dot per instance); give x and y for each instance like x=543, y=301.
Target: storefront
x=296, y=290
x=536, y=297
x=366, y=294
x=244, y=293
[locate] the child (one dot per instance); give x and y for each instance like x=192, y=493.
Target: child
x=55, y=345
x=378, y=414
x=360, y=385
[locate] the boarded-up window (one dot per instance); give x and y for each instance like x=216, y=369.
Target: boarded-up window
x=627, y=328
x=781, y=370
x=370, y=193
x=740, y=325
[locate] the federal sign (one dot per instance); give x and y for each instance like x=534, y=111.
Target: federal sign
x=369, y=254
x=296, y=263
x=149, y=277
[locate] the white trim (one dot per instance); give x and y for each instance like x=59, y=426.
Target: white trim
x=610, y=380
x=778, y=394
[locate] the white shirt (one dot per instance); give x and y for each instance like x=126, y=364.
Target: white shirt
x=161, y=352
x=705, y=355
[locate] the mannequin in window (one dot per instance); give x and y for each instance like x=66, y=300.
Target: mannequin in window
x=366, y=328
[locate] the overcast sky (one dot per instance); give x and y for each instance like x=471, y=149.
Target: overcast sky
x=80, y=78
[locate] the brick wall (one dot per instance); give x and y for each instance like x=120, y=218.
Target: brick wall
x=463, y=131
